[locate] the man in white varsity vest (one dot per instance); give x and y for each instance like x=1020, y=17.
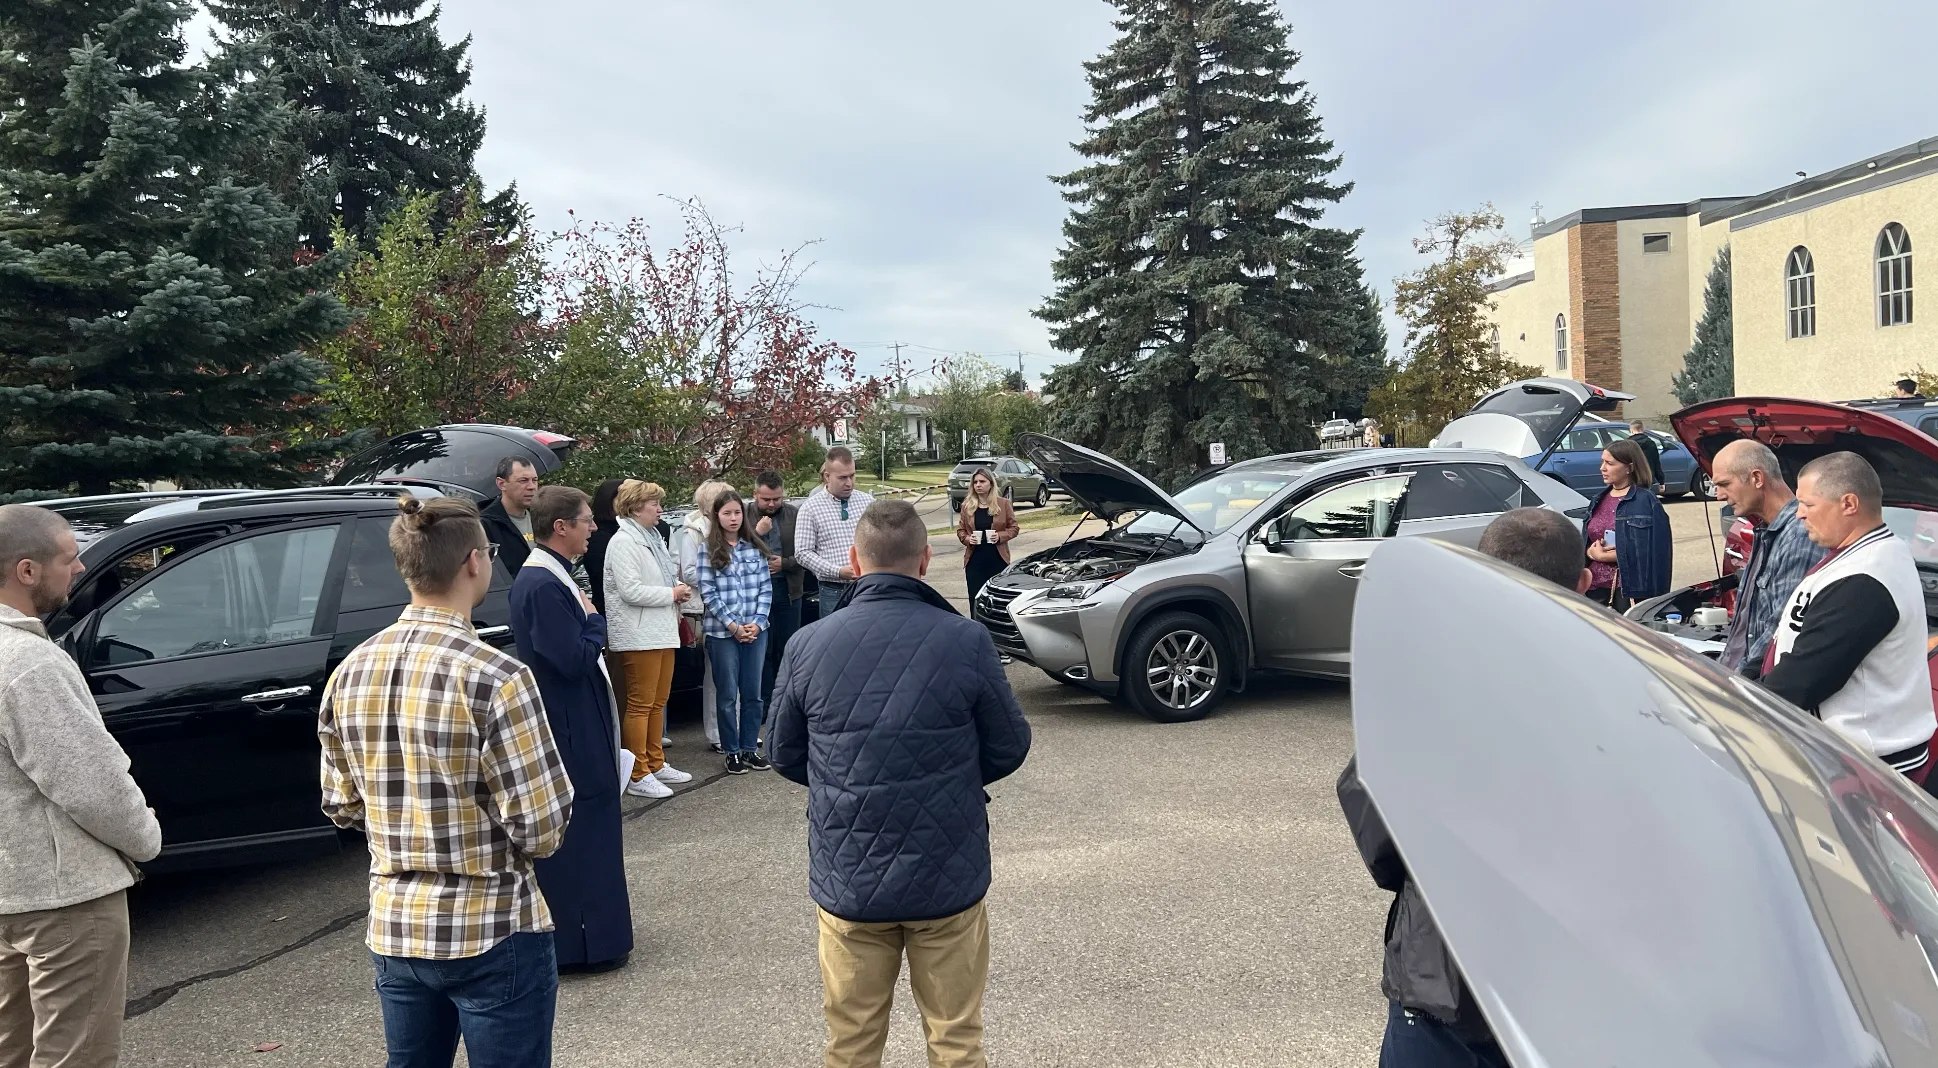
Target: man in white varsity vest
x=1850, y=646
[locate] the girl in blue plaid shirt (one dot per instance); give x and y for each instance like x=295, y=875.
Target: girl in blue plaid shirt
x=736, y=583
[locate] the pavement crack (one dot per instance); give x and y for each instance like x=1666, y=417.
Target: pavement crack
x=637, y=811
x=155, y=999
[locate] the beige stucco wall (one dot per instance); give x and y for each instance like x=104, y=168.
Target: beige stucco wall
x=1851, y=356
x=1655, y=313
x=1525, y=313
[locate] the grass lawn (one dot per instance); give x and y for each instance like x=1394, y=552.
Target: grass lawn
x=1028, y=519
x=906, y=478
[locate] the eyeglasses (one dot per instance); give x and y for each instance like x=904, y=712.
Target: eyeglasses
x=490, y=550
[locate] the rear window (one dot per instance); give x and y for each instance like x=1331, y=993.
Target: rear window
x=466, y=457
x=1544, y=410
x=968, y=466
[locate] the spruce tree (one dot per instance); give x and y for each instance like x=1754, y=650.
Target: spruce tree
x=1709, y=367
x=380, y=111
x=1196, y=286
x=152, y=300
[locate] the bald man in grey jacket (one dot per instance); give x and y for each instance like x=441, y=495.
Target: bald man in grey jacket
x=75, y=822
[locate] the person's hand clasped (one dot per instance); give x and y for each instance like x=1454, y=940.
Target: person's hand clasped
x=846, y=574
x=681, y=592
x=765, y=526
x=773, y=565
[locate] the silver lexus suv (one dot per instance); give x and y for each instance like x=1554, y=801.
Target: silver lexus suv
x=1252, y=567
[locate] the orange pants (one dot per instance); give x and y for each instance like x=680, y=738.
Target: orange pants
x=647, y=680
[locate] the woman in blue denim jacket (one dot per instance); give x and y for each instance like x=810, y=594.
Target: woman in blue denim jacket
x=1637, y=563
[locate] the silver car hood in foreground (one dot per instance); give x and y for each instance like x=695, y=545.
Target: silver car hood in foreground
x=1637, y=860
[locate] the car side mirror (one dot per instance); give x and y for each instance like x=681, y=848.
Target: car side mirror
x=1274, y=541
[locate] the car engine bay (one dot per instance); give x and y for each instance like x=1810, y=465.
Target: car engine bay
x=1078, y=561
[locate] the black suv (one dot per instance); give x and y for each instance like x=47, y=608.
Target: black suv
x=207, y=624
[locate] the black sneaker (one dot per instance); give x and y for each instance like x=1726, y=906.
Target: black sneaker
x=735, y=765
x=715, y=747
x=755, y=761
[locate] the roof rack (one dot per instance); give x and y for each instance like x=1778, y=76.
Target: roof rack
x=148, y=495
x=240, y=497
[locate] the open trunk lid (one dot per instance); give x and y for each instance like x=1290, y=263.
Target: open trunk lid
x=1108, y=488
x=1799, y=431
x=1526, y=418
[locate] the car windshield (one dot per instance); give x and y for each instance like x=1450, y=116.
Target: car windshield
x=1213, y=504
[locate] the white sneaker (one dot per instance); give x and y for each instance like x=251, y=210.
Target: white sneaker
x=648, y=787
x=664, y=741
x=669, y=774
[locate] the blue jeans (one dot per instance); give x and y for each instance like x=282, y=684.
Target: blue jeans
x=1416, y=1040
x=500, y=1001
x=736, y=685
x=783, y=619
x=831, y=596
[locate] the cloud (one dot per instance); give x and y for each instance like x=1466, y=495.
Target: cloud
x=915, y=141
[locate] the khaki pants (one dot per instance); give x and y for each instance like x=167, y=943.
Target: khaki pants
x=948, y=963
x=64, y=985
x=647, y=682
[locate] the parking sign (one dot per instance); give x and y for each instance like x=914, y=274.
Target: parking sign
x=1217, y=453
x=840, y=430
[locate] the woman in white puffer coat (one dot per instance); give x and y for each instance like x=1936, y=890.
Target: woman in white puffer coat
x=692, y=539
x=643, y=595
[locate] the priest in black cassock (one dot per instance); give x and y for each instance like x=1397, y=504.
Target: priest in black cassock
x=562, y=639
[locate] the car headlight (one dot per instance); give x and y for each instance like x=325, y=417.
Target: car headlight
x=1080, y=591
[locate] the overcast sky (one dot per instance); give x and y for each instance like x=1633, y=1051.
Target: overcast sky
x=914, y=140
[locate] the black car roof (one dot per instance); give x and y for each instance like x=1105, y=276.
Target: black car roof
x=96, y=519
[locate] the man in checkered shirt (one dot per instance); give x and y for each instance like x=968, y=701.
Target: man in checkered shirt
x=436, y=744
x=825, y=530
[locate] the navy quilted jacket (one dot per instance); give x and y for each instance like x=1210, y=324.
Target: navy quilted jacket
x=894, y=713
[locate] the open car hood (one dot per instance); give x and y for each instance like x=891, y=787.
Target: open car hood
x=1099, y=483
x=1526, y=418
x=1671, y=867
x=1799, y=431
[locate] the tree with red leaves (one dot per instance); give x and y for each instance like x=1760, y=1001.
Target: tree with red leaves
x=673, y=368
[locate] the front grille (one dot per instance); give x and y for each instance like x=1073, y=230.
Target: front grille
x=992, y=610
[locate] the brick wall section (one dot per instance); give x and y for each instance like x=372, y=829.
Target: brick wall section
x=1594, y=307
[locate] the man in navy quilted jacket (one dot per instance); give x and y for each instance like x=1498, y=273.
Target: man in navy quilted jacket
x=895, y=714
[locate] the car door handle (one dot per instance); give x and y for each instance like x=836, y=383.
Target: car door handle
x=1353, y=570
x=276, y=697
x=494, y=632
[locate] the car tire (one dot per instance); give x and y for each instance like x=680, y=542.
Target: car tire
x=1700, y=487
x=1042, y=496
x=955, y=505
x=1158, y=649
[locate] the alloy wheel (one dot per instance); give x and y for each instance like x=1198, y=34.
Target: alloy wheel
x=1182, y=670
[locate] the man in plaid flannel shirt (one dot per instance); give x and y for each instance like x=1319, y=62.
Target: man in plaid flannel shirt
x=825, y=529
x=436, y=744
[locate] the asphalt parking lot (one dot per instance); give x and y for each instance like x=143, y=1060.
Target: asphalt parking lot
x=1164, y=895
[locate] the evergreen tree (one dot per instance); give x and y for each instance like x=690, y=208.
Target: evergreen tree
x=1709, y=367
x=152, y=299
x=379, y=103
x=1196, y=284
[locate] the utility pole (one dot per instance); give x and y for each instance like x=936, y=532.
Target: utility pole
x=900, y=376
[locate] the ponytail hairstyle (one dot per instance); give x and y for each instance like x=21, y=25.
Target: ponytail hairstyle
x=432, y=539
x=719, y=553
